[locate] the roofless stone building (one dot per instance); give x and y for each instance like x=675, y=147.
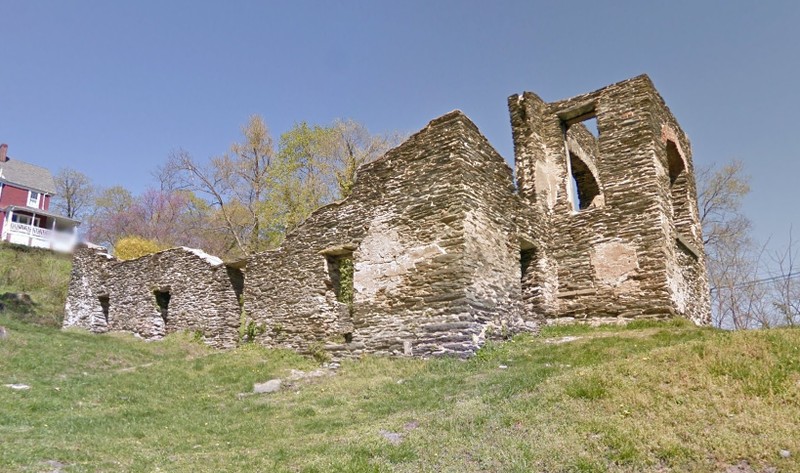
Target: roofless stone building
x=437, y=250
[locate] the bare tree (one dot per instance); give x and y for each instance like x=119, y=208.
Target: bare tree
x=732, y=256
x=352, y=145
x=239, y=186
x=720, y=194
x=74, y=193
x=750, y=286
x=785, y=282
x=110, y=218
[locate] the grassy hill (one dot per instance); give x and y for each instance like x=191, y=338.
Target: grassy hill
x=42, y=274
x=648, y=397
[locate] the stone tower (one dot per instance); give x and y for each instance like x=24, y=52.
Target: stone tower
x=620, y=206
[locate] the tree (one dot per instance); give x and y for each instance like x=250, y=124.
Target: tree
x=74, y=193
x=352, y=145
x=133, y=247
x=309, y=184
x=750, y=286
x=240, y=186
x=732, y=256
x=323, y=161
x=255, y=194
x=785, y=283
x=720, y=193
x=110, y=218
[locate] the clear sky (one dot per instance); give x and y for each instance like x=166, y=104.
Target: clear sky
x=111, y=87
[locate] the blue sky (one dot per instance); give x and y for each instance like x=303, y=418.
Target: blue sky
x=110, y=88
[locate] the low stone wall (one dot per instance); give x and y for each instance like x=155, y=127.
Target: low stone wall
x=173, y=290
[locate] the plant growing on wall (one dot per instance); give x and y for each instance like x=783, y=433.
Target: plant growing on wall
x=345, y=294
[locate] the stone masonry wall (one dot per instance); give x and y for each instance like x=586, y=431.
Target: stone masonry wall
x=203, y=295
x=494, y=244
x=422, y=284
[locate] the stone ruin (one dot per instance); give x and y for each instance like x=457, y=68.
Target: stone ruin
x=437, y=250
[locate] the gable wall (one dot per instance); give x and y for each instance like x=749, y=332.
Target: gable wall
x=404, y=224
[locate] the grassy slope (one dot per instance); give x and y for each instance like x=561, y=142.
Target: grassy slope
x=645, y=398
x=42, y=274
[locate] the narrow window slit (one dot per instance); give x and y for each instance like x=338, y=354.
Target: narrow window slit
x=340, y=270
x=527, y=261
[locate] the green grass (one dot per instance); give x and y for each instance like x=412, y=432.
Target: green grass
x=648, y=397
x=42, y=274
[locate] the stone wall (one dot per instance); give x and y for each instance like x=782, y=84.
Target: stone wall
x=430, y=229
x=177, y=289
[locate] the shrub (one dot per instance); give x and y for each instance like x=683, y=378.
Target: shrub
x=133, y=247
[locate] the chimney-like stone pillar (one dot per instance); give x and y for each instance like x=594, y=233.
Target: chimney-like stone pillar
x=3, y=153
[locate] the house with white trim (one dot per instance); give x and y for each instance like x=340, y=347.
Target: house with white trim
x=25, y=218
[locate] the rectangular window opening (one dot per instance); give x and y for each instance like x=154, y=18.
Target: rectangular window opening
x=33, y=199
x=591, y=125
x=162, y=300
x=104, y=306
x=527, y=262
x=22, y=219
x=340, y=270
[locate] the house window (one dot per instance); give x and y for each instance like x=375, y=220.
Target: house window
x=33, y=199
x=1, y=188
x=26, y=219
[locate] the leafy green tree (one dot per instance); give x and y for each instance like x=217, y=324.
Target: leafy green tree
x=255, y=193
x=323, y=161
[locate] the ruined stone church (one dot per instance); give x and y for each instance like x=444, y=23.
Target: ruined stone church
x=437, y=249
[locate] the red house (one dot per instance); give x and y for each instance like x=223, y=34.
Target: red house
x=25, y=192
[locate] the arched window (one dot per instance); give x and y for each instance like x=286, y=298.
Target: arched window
x=584, y=183
x=679, y=189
